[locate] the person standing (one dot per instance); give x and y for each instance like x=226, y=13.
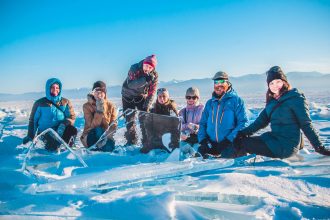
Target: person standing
x=52, y=111
x=138, y=91
x=223, y=116
x=287, y=112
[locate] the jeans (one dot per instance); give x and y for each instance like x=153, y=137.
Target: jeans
x=94, y=135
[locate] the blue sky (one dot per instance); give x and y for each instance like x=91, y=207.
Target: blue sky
x=83, y=41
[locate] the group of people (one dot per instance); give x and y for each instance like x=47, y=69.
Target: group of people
x=220, y=128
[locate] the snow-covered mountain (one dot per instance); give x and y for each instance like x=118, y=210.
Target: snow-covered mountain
x=244, y=85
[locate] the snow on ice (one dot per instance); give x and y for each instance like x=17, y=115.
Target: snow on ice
x=130, y=185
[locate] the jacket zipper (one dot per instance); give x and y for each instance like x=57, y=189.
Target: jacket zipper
x=223, y=111
x=216, y=124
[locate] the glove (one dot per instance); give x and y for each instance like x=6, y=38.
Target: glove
x=225, y=143
x=203, y=147
x=100, y=105
x=60, y=129
x=146, y=105
x=149, y=77
x=241, y=135
x=238, y=139
x=26, y=140
x=322, y=150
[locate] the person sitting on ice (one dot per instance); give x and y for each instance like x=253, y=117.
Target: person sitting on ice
x=191, y=115
x=52, y=111
x=156, y=125
x=99, y=113
x=287, y=112
x=223, y=116
x=164, y=105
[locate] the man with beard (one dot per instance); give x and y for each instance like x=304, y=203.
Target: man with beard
x=223, y=116
x=52, y=111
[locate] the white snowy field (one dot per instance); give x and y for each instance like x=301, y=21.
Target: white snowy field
x=129, y=185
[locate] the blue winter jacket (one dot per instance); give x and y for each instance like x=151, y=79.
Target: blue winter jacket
x=222, y=118
x=45, y=114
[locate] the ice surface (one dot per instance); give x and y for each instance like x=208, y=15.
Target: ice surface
x=130, y=185
x=136, y=173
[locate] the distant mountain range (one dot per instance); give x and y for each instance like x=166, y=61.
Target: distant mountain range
x=245, y=85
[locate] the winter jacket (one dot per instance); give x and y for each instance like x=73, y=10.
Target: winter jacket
x=94, y=119
x=45, y=114
x=191, y=114
x=166, y=108
x=222, y=118
x=139, y=86
x=285, y=120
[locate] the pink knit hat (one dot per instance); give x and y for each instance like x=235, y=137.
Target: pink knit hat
x=151, y=60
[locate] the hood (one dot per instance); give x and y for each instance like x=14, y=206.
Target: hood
x=291, y=93
x=49, y=83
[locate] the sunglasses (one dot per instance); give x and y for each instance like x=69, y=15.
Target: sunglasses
x=98, y=89
x=161, y=90
x=191, y=97
x=219, y=81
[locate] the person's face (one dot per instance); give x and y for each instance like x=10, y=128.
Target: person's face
x=98, y=94
x=54, y=90
x=147, y=68
x=191, y=100
x=220, y=86
x=275, y=86
x=162, y=98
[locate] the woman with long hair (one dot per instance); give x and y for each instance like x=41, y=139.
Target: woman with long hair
x=287, y=112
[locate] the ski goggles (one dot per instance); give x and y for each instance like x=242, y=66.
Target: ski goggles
x=219, y=81
x=191, y=97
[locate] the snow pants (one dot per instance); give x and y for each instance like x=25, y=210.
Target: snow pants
x=253, y=145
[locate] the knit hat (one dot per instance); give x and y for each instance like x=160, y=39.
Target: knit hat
x=192, y=91
x=220, y=75
x=275, y=73
x=100, y=85
x=151, y=60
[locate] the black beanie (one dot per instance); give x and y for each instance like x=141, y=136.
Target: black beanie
x=275, y=73
x=101, y=85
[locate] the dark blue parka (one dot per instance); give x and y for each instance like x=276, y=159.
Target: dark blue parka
x=285, y=123
x=222, y=118
x=45, y=114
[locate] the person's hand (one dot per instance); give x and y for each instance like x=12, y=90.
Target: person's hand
x=322, y=150
x=99, y=105
x=225, y=143
x=203, y=147
x=193, y=127
x=149, y=77
x=26, y=140
x=183, y=136
x=60, y=129
x=146, y=106
x=240, y=135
